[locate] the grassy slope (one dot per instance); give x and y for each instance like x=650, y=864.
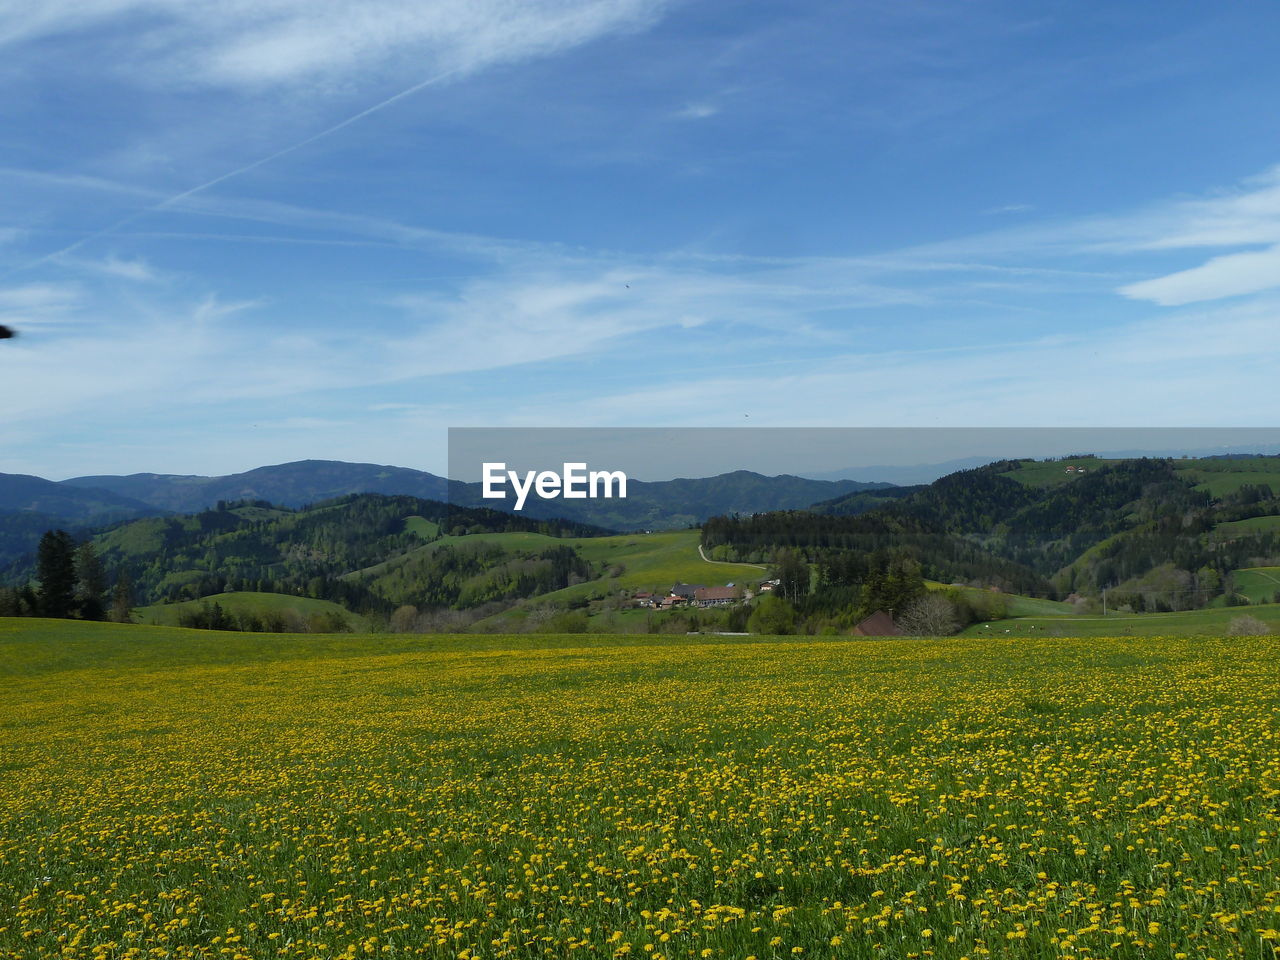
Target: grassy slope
x=422, y=527
x=510, y=541
x=1018, y=606
x=1220, y=477
x=166, y=614
x=1244, y=528
x=650, y=560
x=1039, y=474
x=1189, y=623
x=1259, y=584
x=658, y=560
x=1217, y=476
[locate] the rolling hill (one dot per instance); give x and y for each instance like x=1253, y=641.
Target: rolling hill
x=1157, y=534
x=294, y=614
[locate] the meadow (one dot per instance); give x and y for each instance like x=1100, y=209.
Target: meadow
x=175, y=793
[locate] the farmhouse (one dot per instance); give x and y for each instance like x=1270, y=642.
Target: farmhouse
x=879, y=624
x=686, y=591
x=715, y=596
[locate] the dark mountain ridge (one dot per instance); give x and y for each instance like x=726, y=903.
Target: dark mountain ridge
x=656, y=505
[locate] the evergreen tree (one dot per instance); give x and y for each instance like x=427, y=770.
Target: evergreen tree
x=122, y=599
x=793, y=575
x=91, y=591
x=56, y=571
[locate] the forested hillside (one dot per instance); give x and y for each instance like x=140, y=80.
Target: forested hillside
x=319, y=551
x=1157, y=533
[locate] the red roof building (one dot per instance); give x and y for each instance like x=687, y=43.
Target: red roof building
x=714, y=596
x=879, y=624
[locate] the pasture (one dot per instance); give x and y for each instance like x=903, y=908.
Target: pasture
x=181, y=794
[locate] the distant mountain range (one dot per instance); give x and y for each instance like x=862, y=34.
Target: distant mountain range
x=900, y=475
x=286, y=484
x=68, y=502
x=29, y=505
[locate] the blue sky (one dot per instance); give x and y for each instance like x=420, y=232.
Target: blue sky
x=241, y=233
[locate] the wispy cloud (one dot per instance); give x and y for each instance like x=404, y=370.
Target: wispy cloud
x=1149, y=372
x=1231, y=275
x=38, y=304
x=1246, y=216
x=124, y=268
x=787, y=336
x=290, y=42
x=270, y=42
x=696, y=111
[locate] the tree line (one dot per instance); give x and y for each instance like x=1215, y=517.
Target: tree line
x=70, y=582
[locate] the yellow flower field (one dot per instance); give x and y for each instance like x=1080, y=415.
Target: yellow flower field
x=171, y=793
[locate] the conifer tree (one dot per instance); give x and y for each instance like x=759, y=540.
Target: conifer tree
x=91, y=591
x=56, y=571
x=122, y=599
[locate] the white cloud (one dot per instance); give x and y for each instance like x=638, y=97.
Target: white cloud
x=257, y=43
x=1246, y=216
x=1226, y=276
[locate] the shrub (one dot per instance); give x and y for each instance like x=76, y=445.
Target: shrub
x=1247, y=626
x=772, y=615
x=932, y=615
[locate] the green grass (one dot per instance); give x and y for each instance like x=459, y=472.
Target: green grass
x=138, y=538
x=524, y=542
x=1221, y=477
x=1259, y=584
x=185, y=794
x=1035, y=473
x=647, y=560
x=240, y=602
x=1188, y=623
x=1016, y=604
x=423, y=527
x=1218, y=477
x=1230, y=529
x=658, y=560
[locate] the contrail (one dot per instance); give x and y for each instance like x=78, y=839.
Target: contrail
x=179, y=197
